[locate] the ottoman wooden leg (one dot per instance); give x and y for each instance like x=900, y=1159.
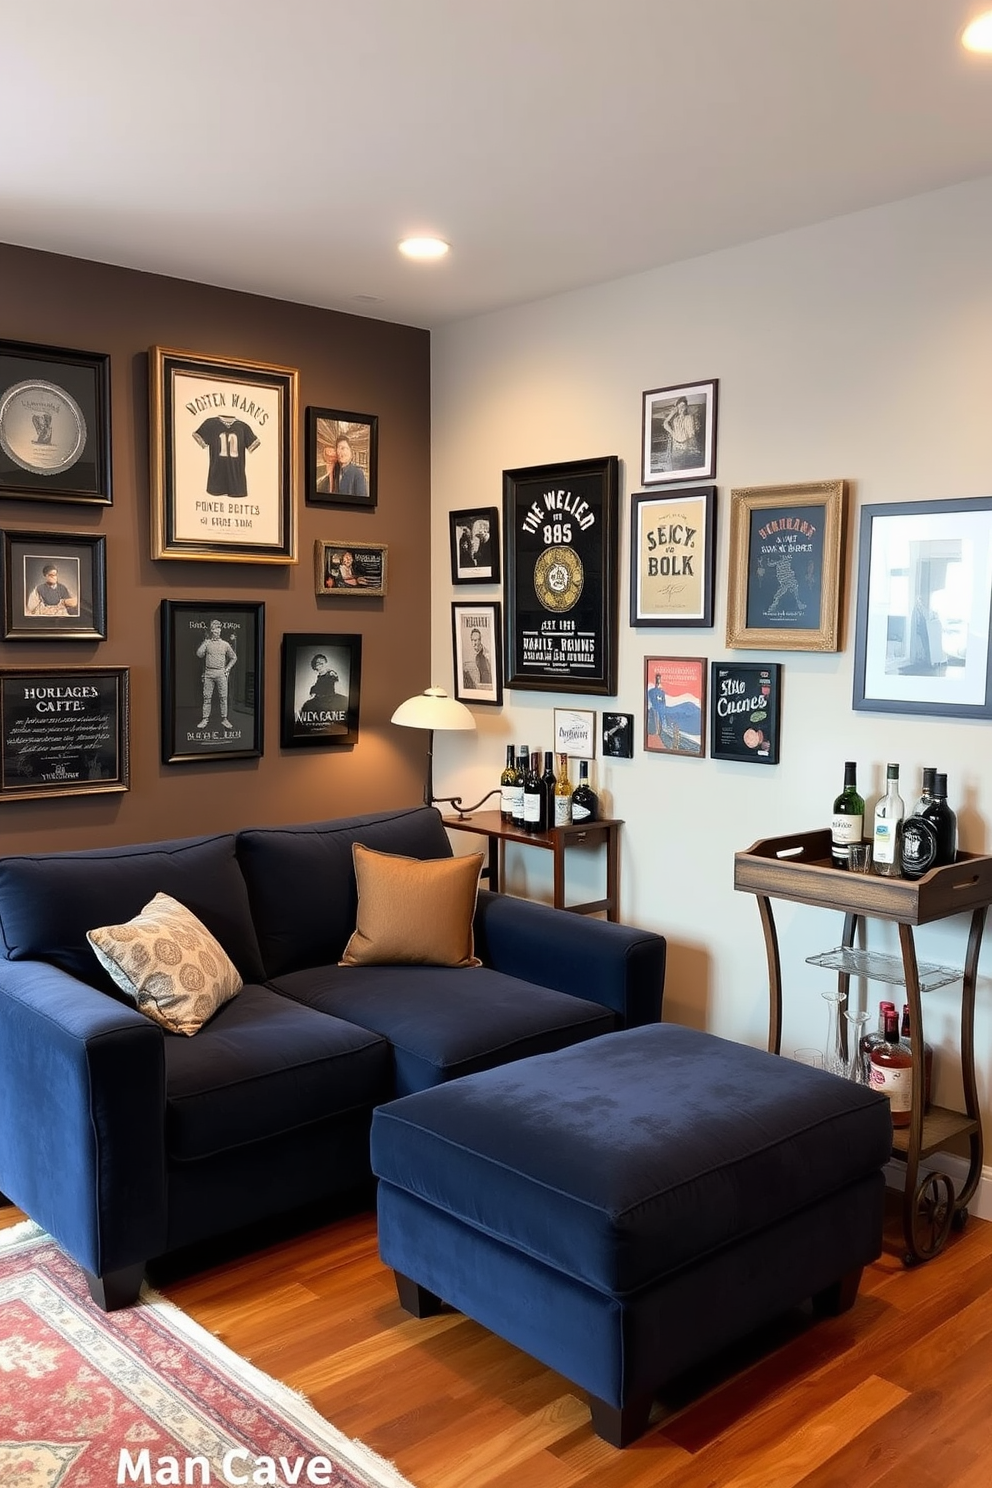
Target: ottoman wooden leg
x=839, y=1296
x=619, y=1425
x=416, y=1299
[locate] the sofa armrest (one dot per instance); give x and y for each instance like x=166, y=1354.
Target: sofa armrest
x=615, y=965
x=82, y=1116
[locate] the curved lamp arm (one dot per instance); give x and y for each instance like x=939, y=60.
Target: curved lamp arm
x=456, y=801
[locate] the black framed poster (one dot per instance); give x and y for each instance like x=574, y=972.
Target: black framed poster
x=560, y=531
x=212, y=680
x=746, y=711
x=63, y=731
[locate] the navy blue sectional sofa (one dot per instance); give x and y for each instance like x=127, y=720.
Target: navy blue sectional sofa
x=126, y=1142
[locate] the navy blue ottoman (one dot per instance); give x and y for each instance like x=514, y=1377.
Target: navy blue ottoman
x=625, y=1208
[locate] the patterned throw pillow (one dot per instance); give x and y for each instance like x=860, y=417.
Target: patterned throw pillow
x=169, y=964
x=413, y=911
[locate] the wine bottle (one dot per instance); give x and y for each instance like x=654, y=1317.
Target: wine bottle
x=926, y=794
x=892, y=1071
x=548, y=781
x=535, y=817
x=523, y=760
x=563, y=793
x=945, y=821
x=907, y=1038
x=585, y=802
x=507, y=782
x=848, y=819
x=887, y=835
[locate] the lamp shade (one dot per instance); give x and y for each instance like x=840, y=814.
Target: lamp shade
x=433, y=709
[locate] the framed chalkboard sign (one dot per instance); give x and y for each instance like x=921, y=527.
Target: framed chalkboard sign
x=63, y=731
x=746, y=711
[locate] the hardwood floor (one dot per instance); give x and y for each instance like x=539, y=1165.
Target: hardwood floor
x=896, y=1393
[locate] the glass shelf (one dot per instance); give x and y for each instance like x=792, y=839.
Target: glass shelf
x=883, y=968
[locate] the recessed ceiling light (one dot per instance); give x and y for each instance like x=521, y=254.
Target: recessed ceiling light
x=977, y=36
x=424, y=248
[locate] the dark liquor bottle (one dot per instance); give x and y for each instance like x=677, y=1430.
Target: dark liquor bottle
x=585, y=802
x=535, y=810
x=892, y=1071
x=930, y=835
x=507, y=785
x=523, y=760
x=945, y=821
x=926, y=794
x=907, y=1039
x=847, y=823
x=548, y=781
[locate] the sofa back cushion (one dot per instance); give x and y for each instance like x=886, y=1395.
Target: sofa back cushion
x=301, y=880
x=48, y=901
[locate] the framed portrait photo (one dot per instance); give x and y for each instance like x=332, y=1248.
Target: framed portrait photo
x=54, y=424
x=321, y=690
x=923, y=642
x=672, y=557
x=746, y=711
x=212, y=680
x=349, y=568
x=342, y=452
x=54, y=586
x=477, y=652
x=474, y=538
x=675, y=705
x=678, y=433
x=223, y=458
x=786, y=550
x=64, y=731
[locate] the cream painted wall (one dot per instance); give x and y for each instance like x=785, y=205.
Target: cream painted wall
x=857, y=349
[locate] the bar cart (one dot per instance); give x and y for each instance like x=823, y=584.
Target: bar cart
x=798, y=868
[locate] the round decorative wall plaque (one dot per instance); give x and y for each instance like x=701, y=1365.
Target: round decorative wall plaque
x=558, y=578
x=42, y=428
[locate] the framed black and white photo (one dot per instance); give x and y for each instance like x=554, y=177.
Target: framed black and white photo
x=923, y=642
x=575, y=732
x=212, y=680
x=342, y=451
x=54, y=424
x=678, y=433
x=560, y=536
x=321, y=690
x=746, y=711
x=474, y=538
x=350, y=568
x=54, y=586
x=477, y=652
x=786, y=557
x=64, y=731
x=223, y=458
x=618, y=736
x=672, y=557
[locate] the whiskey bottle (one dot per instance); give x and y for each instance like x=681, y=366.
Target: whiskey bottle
x=892, y=1071
x=847, y=822
x=585, y=802
x=563, y=793
x=876, y=1035
x=907, y=1039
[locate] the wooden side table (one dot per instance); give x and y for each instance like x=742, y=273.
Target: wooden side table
x=558, y=840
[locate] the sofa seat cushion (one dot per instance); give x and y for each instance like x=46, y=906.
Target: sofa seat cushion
x=445, y=1022
x=620, y=1160
x=263, y=1066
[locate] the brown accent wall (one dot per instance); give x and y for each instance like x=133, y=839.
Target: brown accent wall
x=344, y=362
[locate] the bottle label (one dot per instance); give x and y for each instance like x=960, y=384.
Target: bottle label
x=895, y=1081
x=563, y=810
x=580, y=812
x=532, y=807
x=506, y=800
x=886, y=833
x=919, y=847
x=845, y=829
x=516, y=794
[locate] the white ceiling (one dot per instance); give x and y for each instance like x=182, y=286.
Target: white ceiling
x=284, y=146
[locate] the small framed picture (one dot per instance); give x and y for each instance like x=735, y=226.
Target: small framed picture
x=474, y=539
x=54, y=424
x=678, y=433
x=358, y=569
x=64, y=731
x=212, y=680
x=746, y=711
x=477, y=652
x=575, y=732
x=321, y=690
x=618, y=736
x=54, y=586
x=672, y=557
x=675, y=705
x=342, y=452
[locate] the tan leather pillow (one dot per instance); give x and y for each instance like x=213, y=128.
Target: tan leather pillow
x=413, y=911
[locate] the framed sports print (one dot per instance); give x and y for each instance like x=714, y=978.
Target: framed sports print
x=786, y=545
x=223, y=458
x=675, y=705
x=341, y=568
x=342, y=458
x=477, y=653
x=560, y=536
x=54, y=586
x=64, y=731
x=474, y=537
x=746, y=711
x=672, y=557
x=212, y=680
x=54, y=424
x=678, y=433
x=321, y=690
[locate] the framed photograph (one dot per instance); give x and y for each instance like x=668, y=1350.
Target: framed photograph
x=618, y=736
x=675, y=705
x=746, y=711
x=678, y=433
x=560, y=535
x=672, y=557
x=342, y=458
x=64, y=731
x=474, y=537
x=358, y=569
x=223, y=458
x=54, y=586
x=321, y=690
x=575, y=733
x=54, y=424
x=786, y=545
x=212, y=680
x=924, y=616
x=476, y=639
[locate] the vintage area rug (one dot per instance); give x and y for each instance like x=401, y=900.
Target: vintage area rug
x=90, y=1399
